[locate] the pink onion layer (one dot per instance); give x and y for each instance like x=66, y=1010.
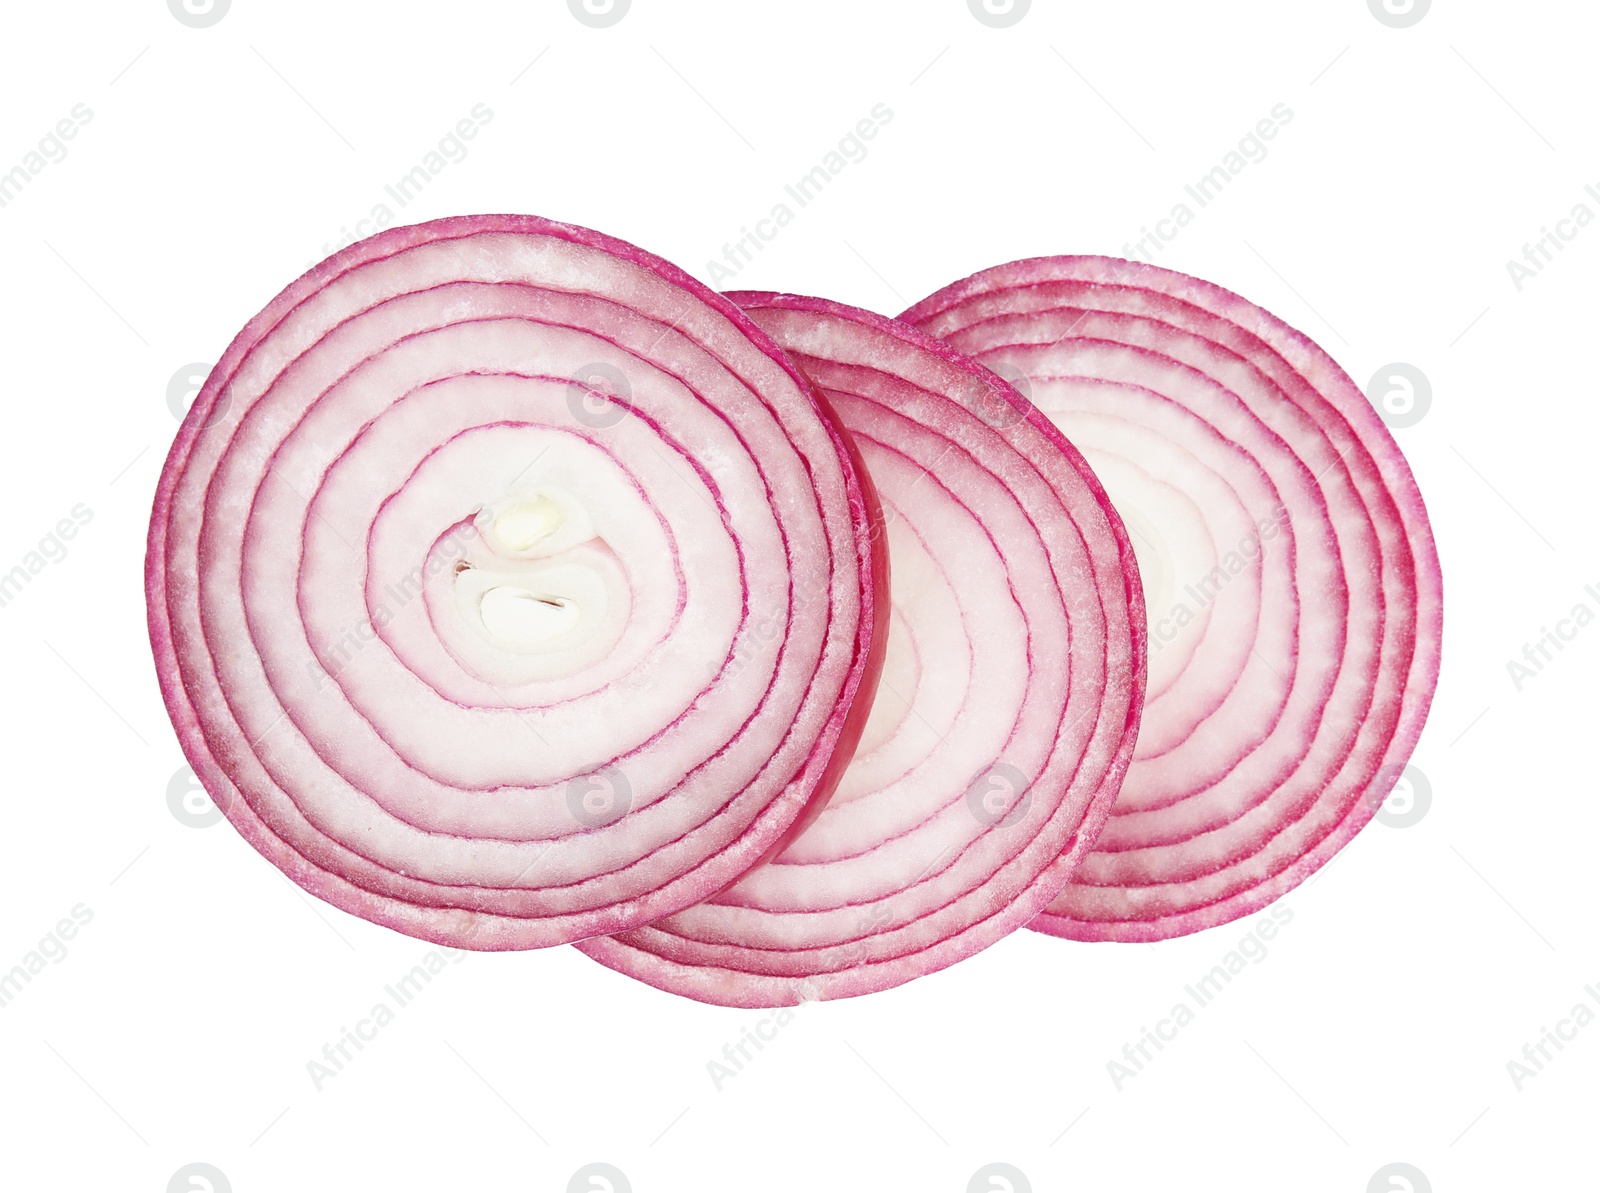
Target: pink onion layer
x=507, y=586
x=1290, y=574
x=1007, y=710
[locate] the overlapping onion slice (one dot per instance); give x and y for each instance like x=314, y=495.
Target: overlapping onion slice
x=507, y=586
x=1290, y=575
x=1007, y=709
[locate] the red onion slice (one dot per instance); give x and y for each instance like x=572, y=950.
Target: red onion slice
x=1290, y=574
x=1007, y=710
x=507, y=586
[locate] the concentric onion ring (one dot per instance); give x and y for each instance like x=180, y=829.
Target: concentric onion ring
x=1008, y=707
x=1290, y=574
x=507, y=586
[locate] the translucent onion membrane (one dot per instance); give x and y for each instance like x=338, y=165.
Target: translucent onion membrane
x=1007, y=710
x=1290, y=575
x=507, y=586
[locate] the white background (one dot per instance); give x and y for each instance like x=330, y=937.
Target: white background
x=219, y=162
